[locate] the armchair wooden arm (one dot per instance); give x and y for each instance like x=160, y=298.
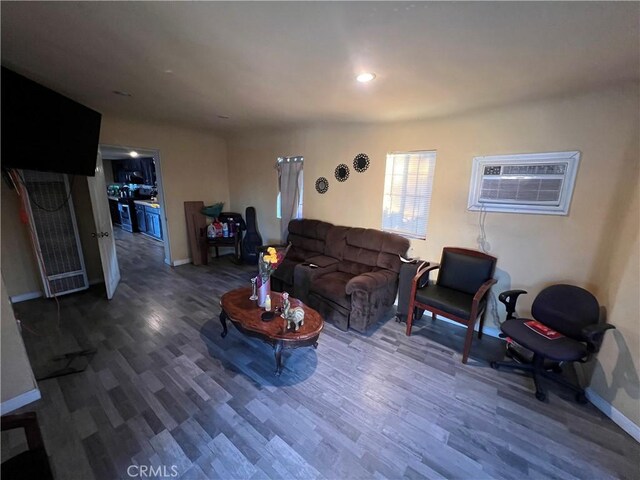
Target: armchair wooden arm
x=482, y=291
x=425, y=271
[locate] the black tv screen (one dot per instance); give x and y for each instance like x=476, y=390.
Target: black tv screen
x=43, y=130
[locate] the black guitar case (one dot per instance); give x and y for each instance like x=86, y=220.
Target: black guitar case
x=252, y=239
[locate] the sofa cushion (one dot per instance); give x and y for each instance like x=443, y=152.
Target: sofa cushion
x=333, y=286
x=307, y=237
x=335, y=242
x=369, y=250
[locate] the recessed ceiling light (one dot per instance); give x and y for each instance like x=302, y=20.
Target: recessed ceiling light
x=121, y=93
x=133, y=154
x=365, y=77
x=168, y=71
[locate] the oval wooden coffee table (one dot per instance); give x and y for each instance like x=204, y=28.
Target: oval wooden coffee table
x=246, y=317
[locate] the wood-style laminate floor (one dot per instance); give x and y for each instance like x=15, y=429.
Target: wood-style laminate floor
x=165, y=390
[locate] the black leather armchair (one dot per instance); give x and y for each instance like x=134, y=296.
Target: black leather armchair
x=573, y=314
x=459, y=293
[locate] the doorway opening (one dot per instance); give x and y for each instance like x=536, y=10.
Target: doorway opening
x=134, y=191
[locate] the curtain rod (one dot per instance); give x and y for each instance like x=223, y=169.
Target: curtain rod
x=298, y=158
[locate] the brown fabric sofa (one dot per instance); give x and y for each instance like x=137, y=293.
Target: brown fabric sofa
x=356, y=278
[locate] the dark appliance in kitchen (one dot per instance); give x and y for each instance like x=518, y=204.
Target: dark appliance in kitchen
x=128, y=219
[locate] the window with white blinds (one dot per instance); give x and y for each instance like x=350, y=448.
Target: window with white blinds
x=408, y=183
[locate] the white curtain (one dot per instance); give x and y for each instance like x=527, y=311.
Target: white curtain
x=289, y=174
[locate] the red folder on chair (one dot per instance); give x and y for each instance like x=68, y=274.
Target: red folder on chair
x=543, y=330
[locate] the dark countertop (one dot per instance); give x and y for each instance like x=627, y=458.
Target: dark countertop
x=147, y=203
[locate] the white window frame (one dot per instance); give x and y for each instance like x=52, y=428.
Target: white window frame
x=416, y=203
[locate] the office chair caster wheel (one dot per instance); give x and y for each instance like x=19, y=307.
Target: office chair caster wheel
x=581, y=398
x=541, y=396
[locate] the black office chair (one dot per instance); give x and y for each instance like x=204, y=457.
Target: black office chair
x=459, y=293
x=572, y=315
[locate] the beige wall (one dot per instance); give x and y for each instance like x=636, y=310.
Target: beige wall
x=108, y=171
x=19, y=267
x=615, y=373
x=15, y=369
x=193, y=166
x=533, y=250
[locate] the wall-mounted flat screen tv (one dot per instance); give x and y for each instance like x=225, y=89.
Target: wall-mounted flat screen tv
x=43, y=130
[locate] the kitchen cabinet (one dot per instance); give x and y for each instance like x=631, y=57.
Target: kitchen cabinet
x=141, y=214
x=154, y=226
x=148, y=217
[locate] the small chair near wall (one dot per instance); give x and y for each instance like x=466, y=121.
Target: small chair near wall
x=566, y=329
x=459, y=293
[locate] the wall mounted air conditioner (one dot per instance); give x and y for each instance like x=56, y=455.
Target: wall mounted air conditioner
x=528, y=183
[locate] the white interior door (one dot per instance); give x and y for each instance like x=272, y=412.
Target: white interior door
x=104, y=228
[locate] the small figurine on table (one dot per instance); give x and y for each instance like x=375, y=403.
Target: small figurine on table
x=286, y=304
x=294, y=318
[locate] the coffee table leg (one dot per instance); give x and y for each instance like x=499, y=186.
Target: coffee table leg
x=223, y=321
x=278, y=352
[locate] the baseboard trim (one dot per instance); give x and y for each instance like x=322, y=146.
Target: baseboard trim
x=487, y=330
x=184, y=261
x=23, y=297
x=614, y=414
x=19, y=401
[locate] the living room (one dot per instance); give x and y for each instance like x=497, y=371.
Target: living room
x=541, y=107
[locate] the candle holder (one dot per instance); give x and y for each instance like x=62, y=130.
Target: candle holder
x=254, y=289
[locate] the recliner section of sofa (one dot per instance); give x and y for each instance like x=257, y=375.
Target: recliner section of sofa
x=356, y=278
x=307, y=239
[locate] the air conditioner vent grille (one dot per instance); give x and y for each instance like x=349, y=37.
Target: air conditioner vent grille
x=521, y=190
x=552, y=169
x=524, y=183
x=56, y=234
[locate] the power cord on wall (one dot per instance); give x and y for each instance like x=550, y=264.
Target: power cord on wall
x=36, y=204
x=485, y=246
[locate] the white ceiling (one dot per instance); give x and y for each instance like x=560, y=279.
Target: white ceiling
x=272, y=64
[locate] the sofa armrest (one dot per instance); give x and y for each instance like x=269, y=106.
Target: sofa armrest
x=370, y=281
x=321, y=261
